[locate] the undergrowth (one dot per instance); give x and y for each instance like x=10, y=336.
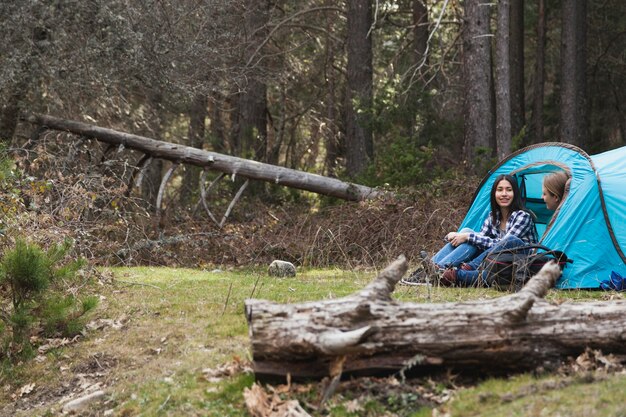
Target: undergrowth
x=36, y=302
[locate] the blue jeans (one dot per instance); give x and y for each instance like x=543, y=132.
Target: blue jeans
x=450, y=256
x=470, y=278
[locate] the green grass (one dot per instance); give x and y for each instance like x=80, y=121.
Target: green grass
x=179, y=322
x=528, y=396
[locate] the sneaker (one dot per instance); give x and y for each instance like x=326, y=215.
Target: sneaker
x=448, y=278
x=417, y=277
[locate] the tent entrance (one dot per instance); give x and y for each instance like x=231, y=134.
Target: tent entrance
x=530, y=181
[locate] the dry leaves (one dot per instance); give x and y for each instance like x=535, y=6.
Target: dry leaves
x=591, y=360
x=226, y=370
x=260, y=404
x=25, y=390
x=100, y=324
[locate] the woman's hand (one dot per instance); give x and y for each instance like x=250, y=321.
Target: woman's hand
x=457, y=238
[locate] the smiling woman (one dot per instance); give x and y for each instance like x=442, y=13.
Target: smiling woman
x=553, y=189
x=508, y=225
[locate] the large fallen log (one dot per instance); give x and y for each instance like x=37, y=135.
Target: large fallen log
x=211, y=160
x=368, y=332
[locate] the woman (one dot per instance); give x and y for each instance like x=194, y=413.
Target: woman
x=508, y=225
x=554, y=189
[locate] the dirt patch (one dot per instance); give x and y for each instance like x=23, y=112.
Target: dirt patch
x=73, y=381
x=95, y=364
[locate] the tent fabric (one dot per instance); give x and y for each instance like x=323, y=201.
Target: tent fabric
x=589, y=225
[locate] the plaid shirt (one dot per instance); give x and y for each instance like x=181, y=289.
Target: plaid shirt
x=520, y=224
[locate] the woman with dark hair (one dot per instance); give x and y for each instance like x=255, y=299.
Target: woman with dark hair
x=508, y=225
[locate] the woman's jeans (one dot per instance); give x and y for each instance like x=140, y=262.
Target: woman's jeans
x=470, y=278
x=450, y=256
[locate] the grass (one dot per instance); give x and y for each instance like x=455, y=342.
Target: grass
x=177, y=323
x=528, y=396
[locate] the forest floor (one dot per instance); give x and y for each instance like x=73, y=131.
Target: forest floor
x=169, y=336
x=173, y=342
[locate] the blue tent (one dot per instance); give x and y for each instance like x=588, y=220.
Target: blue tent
x=589, y=225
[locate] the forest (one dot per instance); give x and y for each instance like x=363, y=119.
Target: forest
x=408, y=103
x=399, y=94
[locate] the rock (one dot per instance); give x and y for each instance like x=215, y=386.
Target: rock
x=282, y=269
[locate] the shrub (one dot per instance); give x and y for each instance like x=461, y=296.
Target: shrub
x=33, y=282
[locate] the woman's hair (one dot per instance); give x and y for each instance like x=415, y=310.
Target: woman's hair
x=516, y=204
x=555, y=182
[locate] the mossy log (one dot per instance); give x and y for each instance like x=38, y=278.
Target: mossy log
x=369, y=333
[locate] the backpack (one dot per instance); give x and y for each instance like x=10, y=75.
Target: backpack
x=510, y=269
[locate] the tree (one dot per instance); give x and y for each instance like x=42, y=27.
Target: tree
x=359, y=142
x=503, y=81
x=420, y=32
x=332, y=140
x=539, y=78
x=197, y=119
x=516, y=51
x=573, y=116
x=251, y=126
x=478, y=104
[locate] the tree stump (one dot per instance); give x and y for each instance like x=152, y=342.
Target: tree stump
x=369, y=333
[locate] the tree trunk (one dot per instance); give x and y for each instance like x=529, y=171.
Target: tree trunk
x=217, y=136
x=331, y=131
x=540, y=74
x=503, y=81
x=420, y=32
x=359, y=143
x=518, y=110
x=478, y=103
x=10, y=108
x=573, y=121
x=191, y=175
x=154, y=171
x=211, y=160
x=369, y=332
x=9, y=113
x=251, y=127
x=273, y=155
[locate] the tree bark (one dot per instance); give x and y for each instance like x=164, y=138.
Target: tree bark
x=503, y=81
x=369, y=332
x=420, y=32
x=197, y=118
x=10, y=108
x=217, y=137
x=516, y=42
x=154, y=170
x=540, y=74
x=251, y=129
x=331, y=131
x=359, y=143
x=478, y=104
x=573, y=120
x=218, y=162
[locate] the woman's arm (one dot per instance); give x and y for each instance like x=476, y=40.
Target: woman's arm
x=487, y=237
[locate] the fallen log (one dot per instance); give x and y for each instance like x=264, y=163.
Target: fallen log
x=369, y=333
x=231, y=165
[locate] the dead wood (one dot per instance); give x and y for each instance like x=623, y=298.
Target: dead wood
x=378, y=334
x=211, y=160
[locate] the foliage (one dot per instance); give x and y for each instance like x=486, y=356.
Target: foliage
x=401, y=164
x=34, y=280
